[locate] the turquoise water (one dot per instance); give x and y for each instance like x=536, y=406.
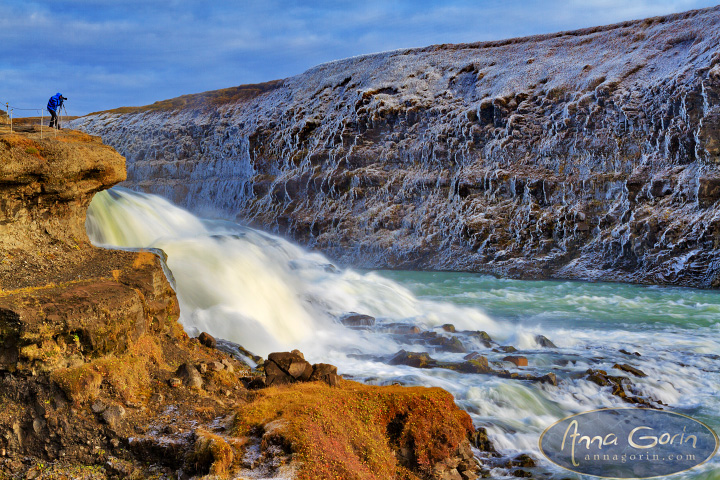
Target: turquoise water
x=676, y=330
x=268, y=294
x=566, y=303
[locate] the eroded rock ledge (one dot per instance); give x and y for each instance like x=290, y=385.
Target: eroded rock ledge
x=590, y=154
x=98, y=379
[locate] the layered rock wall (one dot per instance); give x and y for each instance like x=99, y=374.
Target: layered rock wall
x=589, y=154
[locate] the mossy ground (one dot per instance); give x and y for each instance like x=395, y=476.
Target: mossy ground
x=358, y=431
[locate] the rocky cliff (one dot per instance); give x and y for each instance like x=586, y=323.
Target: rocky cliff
x=98, y=380
x=587, y=154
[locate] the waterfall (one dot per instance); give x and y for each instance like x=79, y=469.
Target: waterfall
x=259, y=290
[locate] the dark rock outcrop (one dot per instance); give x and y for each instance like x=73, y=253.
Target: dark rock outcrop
x=283, y=368
x=590, y=154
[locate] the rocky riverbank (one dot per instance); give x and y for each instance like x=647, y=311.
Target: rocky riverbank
x=99, y=380
x=590, y=154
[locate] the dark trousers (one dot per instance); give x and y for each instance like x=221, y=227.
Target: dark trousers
x=54, y=122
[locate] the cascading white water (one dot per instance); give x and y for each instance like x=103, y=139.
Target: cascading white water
x=268, y=294
x=257, y=289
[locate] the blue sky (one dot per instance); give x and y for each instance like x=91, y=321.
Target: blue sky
x=104, y=54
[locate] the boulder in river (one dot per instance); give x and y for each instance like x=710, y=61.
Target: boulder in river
x=413, y=359
x=630, y=369
x=544, y=342
x=519, y=361
x=356, y=320
x=448, y=344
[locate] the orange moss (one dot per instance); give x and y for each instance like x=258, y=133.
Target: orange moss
x=355, y=431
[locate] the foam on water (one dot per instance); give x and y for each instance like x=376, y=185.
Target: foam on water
x=268, y=294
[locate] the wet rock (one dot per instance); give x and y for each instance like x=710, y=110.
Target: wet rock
x=480, y=440
x=473, y=355
x=255, y=358
x=550, y=378
x=630, y=369
x=401, y=329
x=618, y=385
x=448, y=344
x=413, y=359
x=477, y=364
x=544, y=342
x=355, y=320
x=522, y=460
x=207, y=340
x=623, y=351
x=448, y=327
x=481, y=337
x=599, y=377
x=505, y=349
x=113, y=415
x=521, y=474
x=517, y=360
x=189, y=375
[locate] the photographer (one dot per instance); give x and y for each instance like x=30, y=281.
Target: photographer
x=54, y=104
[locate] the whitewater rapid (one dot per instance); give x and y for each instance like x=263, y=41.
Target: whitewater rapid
x=267, y=294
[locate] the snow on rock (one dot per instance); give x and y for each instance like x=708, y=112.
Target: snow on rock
x=588, y=154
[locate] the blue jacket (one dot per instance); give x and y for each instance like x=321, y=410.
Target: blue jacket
x=55, y=102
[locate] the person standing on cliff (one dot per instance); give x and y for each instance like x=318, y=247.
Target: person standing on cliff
x=55, y=103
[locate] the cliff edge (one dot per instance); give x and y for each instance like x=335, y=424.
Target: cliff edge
x=591, y=154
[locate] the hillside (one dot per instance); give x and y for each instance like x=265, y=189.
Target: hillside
x=590, y=154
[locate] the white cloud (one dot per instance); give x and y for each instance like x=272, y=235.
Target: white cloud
x=132, y=52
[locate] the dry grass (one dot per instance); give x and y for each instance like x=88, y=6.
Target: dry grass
x=211, y=99
x=211, y=453
x=126, y=375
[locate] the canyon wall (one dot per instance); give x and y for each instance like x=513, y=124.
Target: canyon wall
x=591, y=154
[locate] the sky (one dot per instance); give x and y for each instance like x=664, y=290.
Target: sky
x=104, y=54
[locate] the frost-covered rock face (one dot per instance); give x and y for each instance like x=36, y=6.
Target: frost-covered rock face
x=592, y=154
